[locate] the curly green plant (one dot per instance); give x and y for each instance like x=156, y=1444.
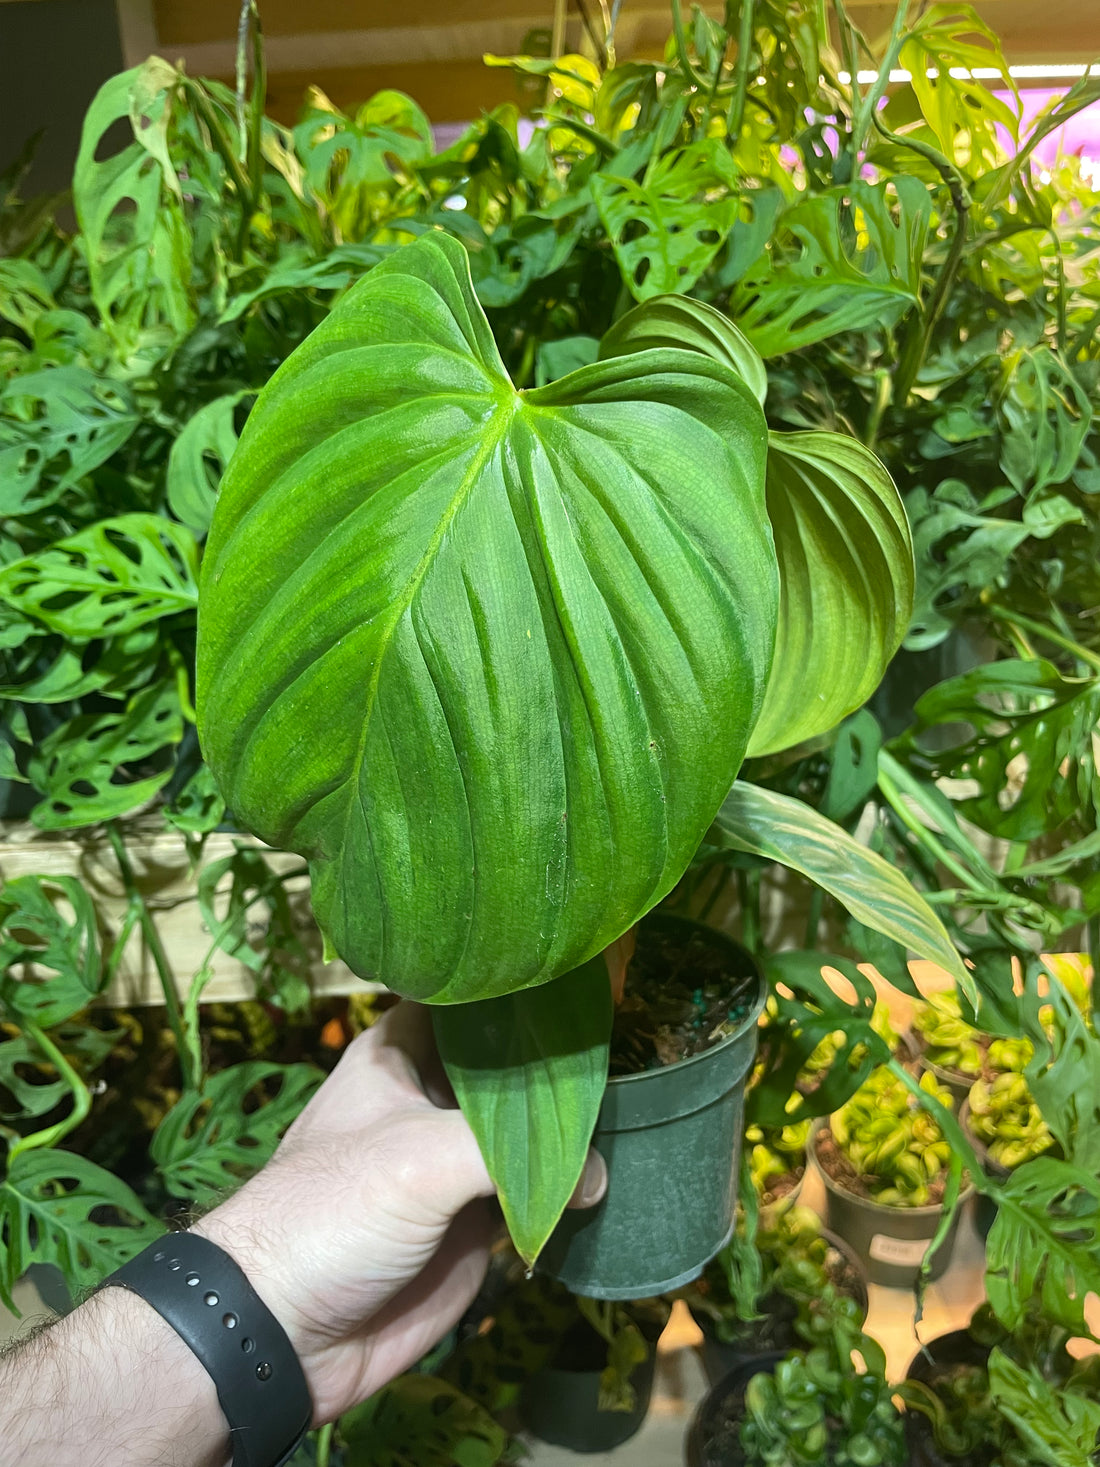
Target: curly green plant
x=1004, y=1116
x=800, y=1289
x=892, y=1145
x=775, y=1152
x=953, y=1044
x=816, y=1407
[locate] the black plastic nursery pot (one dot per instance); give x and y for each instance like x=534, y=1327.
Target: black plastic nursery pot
x=560, y=1404
x=775, y=1331
x=936, y=1358
x=892, y=1241
x=671, y=1138
x=711, y=1441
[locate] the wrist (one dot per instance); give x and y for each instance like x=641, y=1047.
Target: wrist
x=235, y=1234
x=131, y=1390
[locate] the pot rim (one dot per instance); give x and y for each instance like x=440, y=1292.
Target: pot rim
x=747, y=1023
x=876, y=1208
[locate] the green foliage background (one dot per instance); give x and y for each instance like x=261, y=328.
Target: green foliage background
x=910, y=286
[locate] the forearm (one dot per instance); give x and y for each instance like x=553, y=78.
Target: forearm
x=112, y=1385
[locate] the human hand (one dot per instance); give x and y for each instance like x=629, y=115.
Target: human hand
x=367, y=1234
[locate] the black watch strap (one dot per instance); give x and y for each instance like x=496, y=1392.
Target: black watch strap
x=209, y=1302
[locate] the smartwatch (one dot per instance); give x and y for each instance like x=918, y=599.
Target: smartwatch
x=206, y=1298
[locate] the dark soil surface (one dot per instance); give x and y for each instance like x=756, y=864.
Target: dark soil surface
x=833, y=1161
x=680, y=999
x=782, y=1186
x=722, y=1447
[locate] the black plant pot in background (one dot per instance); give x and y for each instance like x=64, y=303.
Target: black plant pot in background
x=935, y=1359
x=713, y=1437
x=560, y=1403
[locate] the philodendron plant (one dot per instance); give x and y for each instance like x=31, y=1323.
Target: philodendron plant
x=491, y=660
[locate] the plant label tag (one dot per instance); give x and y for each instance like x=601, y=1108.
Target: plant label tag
x=907, y=1251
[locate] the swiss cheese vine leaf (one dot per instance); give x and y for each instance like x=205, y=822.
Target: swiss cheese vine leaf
x=423, y=1420
x=56, y=425
x=1045, y=1244
x=49, y=949
x=210, y=1142
x=60, y=1208
x=107, y=580
x=666, y=230
x=198, y=458
x=467, y=648
x=842, y=260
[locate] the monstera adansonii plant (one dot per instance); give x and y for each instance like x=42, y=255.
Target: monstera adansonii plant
x=491, y=659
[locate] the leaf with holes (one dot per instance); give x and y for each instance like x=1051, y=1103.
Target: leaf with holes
x=49, y=670
x=29, y=1083
x=763, y=823
x=107, y=580
x=666, y=230
x=49, y=949
x=130, y=208
x=466, y=648
x=197, y=460
x=1045, y=1244
x=100, y=766
x=209, y=1143
x=1026, y=737
x=423, y=1420
x=56, y=425
x=843, y=260
x=1045, y=415
x=59, y=1208
x=846, y=577
x=941, y=52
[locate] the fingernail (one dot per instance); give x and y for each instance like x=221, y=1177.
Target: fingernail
x=593, y=1180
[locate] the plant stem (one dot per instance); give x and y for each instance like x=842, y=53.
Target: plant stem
x=324, y=1445
x=868, y=105
x=159, y=956
x=1037, y=629
x=741, y=80
x=82, y=1096
x=927, y=839
x=557, y=34
x=748, y=896
x=883, y=394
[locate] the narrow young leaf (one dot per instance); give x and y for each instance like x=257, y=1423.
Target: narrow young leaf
x=782, y=829
x=529, y=1071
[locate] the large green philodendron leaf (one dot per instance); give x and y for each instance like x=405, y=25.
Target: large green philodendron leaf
x=490, y=659
x=847, y=581
x=764, y=823
x=842, y=539
x=529, y=1071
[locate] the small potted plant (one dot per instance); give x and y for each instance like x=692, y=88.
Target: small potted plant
x=956, y=1053
x=796, y=1283
x=808, y=1406
x=777, y=1162
x=1006, y=1128
x=884, y=1161
x=975, y=1396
